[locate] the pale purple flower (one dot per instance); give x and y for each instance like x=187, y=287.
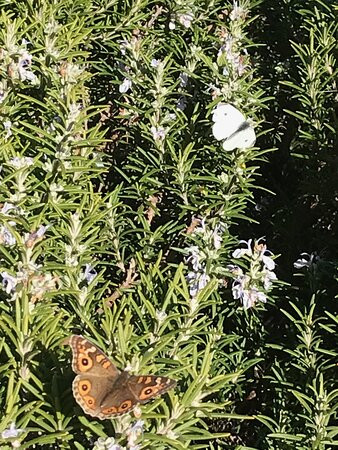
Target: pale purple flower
x=42, y=230
x=234, y=269
x=155, y=62
x=197, y=281
x=138, y=426
x=134, y=432
x=239, y=286
x=227, y=48
x=89, y=273
x=106, y=444
x=240, y=252
x=158, y=133
x=182, y=103
x=217, y=238
x=259, y=252
x=268, y=262
x=6, y=237
x=8, y=127
x=269, y=277
x=12, y=432
x=125, y=86
x=263, y=253
x=183, y=79
x=124, y=44
x=186, y=19
x=31, y=238
x=7, y=207
x=24, y=62
x=202, y=228
x=249, y=296
x=238, y=12
x=9, y=282
x=194, y=257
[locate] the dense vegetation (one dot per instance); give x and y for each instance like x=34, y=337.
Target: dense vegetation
x=123, y=219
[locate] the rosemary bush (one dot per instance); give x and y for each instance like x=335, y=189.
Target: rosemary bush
x=123, y=219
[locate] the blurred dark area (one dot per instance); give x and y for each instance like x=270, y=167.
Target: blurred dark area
x=301, y=216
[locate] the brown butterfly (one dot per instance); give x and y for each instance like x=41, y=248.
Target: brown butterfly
x=101, y=389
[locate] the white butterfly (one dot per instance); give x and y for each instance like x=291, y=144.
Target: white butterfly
x=231, y=125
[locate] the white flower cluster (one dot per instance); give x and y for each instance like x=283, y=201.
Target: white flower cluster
x=251, y=287
x=17, y=61
x=183, y=18
x=238, y=12
x=38, y=283
x=197, y=278
x=132, y=433
x=197, y=257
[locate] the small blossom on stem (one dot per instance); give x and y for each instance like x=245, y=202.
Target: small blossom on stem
x=238, y=13
x=32, y=238
x=182, y=103
x=240, y=252
x=20, y=162
x=249, y=296
x=12, y=432
x=6, y=237
x=134, y=432
x=269, y=277
x=183, y=79
x=161, y=316
x=125, y=86
x=186, y=19
x=106, y=444
x=197, y=281
x=158, y=133
x=251, y=287
x=10, y=207
x=8, y=128
x=155, y=62
x=89, y=273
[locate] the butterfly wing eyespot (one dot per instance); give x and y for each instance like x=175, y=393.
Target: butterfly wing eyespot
x=148, y=392
x=147, y=387
x=125, y=406
x=107, y=412
x=90, y=401
x=84, y=362
x=84, y=387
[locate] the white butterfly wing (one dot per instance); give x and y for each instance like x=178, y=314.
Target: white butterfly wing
x=227, y=120
x=242, y=139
